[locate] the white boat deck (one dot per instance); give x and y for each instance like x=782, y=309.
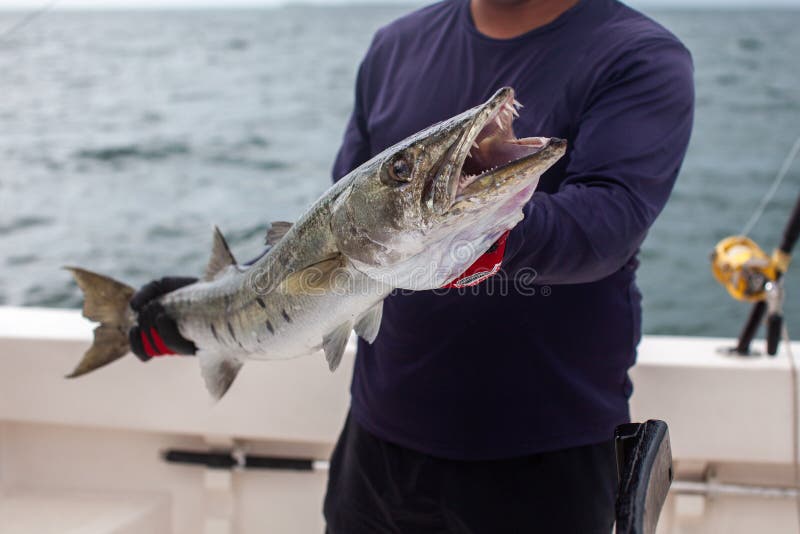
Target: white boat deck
x=85, y=453
x=68, y=512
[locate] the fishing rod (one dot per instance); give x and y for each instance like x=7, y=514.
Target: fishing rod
x=750, y=275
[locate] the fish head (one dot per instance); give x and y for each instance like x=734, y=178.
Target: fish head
x=422, y=211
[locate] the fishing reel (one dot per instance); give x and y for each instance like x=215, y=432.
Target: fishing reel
x=745, y=270
x=750, y=275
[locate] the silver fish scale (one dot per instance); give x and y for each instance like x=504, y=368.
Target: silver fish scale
x=227, y=315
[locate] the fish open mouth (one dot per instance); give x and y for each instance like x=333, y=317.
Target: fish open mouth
x=487, y=155
x=493, y=145
x=496, y=146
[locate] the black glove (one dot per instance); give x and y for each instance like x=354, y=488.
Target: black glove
x=156, y=333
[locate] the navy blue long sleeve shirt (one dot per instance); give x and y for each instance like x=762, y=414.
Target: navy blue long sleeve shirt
x=536, y=359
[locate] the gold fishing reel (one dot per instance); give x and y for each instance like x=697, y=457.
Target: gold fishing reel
x=745, y=270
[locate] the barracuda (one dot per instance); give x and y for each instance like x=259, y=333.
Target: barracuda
x=414, y=217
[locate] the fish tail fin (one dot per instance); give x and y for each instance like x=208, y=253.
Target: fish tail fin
x=219, y=371
x=107, y=302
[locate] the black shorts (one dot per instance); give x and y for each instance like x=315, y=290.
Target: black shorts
x=376, y=487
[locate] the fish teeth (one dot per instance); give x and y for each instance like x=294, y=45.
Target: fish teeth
x=517, y=104
x=475, y=145
x=499, y=123
x=511, y=110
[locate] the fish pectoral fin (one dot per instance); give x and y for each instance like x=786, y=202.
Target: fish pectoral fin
x=368, y=324
x=219, y=371
x=315, y=278
x=221, y=256
x=276, y=232
x=334, y=344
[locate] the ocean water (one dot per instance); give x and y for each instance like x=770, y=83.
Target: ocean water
x=125, y=135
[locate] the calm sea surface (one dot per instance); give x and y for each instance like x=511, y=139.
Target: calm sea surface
x=125, y=136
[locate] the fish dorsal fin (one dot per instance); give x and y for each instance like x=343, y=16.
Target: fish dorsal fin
x=218, y=371
x=334, y=344
x=368, y=324
x=221, y=257
x=276, y=232
x=313, y=279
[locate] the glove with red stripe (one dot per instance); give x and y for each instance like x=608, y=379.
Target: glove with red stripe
x=484, y=267
x=156, y=333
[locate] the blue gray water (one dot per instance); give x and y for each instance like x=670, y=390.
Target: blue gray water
x=125, y=135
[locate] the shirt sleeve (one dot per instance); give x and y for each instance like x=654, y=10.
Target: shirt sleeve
x=356, y=148
x=625, y=157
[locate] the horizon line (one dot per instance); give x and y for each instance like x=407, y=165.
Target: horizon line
x=216, y=5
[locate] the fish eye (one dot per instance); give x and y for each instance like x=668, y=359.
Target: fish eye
x=400, y=170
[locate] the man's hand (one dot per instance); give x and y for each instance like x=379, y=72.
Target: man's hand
x=156, y=333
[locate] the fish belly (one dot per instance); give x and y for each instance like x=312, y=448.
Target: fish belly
x=227, y=317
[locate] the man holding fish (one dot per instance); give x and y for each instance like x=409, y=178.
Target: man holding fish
x=490, y=408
